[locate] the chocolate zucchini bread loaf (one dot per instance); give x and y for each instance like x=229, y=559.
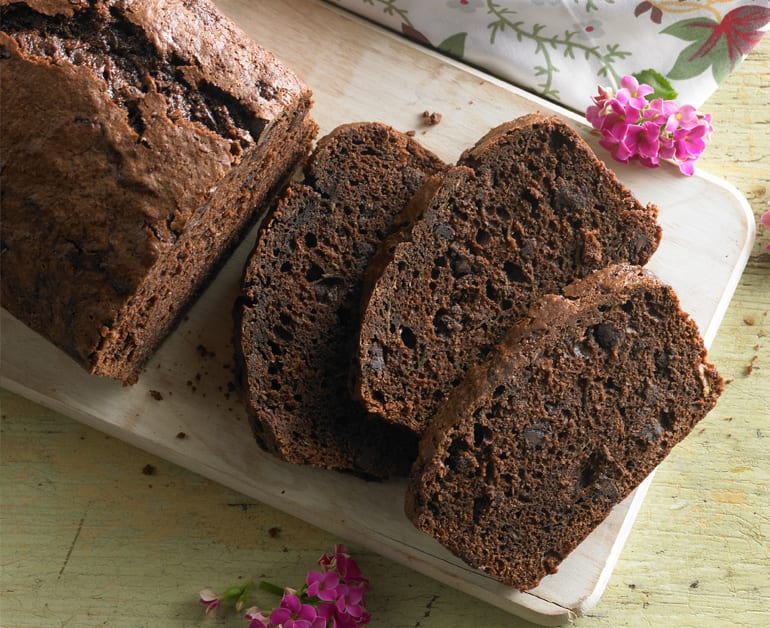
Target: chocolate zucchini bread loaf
x=529, y=209
x=297, y=317
x=582, y=399
x=139, y=140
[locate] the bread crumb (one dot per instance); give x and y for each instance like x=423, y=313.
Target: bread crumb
x=431, y=118
x=181, y=435
x=749, y=320
x=411, y=133
x=204, y=352
x=149, y=469
x=274, y=532
x=155, y=394
x=750, y=365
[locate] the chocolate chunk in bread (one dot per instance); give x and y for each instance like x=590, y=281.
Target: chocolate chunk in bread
x=299, y=310
x=139, y=141
x=530, y=209
x=578, y=404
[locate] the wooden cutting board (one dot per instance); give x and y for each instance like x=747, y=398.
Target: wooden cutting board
x=359, y=72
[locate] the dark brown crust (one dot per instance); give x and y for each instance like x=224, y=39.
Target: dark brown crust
x=297, y=317
x=139, y=143
x=530, y=209
x=583, y=399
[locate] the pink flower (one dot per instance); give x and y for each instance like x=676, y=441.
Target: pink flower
x=257, y=619
x=350, y=600
x=292, y=613
x=634, y=128
x=644, y=140
x=210, y=600
x=633, y=93
x=322, y=585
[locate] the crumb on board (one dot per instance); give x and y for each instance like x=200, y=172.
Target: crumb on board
x=749, y=320
x=411, y=133
x=204, y=352
x=156, y=394
x=431, y=118
x=274, y=532
x=149, y=469
x=181, y=435
x=750, y=365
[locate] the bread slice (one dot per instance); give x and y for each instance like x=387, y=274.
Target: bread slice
x=299, y=310
x=580, y=402
x=140, y=141
x=530, y=210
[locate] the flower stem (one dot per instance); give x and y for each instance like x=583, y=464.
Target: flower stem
x=269, y=587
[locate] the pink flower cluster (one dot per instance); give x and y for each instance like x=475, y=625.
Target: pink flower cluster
x=333, y=597
x=649, y=130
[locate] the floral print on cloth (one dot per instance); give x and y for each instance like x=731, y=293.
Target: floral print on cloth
x=561, y=49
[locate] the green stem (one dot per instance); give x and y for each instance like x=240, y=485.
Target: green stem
x=269, y=587
x=503, y=21
x=390, y=8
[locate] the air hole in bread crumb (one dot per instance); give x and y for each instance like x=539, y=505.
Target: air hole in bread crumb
x=283, y=333
x=310, y=240
x=481, y=433
x=514, y=272
x=408, y=337
x=482, y=236
x=314, y=273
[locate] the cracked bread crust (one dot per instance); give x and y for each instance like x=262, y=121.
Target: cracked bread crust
x=297, y=317
x=140, y=141
x=585, y=396
x=529, y=209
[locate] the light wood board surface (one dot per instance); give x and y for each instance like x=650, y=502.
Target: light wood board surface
x=687, y=253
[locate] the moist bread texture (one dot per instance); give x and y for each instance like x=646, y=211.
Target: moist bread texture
x=578, y=404
x=139, y=140
x=297, y=318
x=529, y=210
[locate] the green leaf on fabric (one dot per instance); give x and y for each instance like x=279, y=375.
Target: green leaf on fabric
x=692, y=62
x=454, y=45
x=695, y=29
x=661, y=85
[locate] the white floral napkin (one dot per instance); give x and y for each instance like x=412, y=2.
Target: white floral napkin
x=563, y=49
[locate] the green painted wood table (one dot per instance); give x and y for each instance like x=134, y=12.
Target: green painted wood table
x=97, y=532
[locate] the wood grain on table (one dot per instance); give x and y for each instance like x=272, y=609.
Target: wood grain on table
x=96, y=532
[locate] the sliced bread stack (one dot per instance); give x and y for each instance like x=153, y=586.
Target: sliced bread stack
x=504, y=321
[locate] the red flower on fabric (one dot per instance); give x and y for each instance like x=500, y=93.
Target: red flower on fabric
x=740, y=28
x=719, y=46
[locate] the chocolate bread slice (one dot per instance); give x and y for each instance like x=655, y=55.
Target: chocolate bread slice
x=139, y=140
x=530, y=210
x=579, y=403
x=299, y=310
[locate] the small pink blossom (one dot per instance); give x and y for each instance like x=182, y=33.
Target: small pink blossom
x=633, y=93
x=292, y=613
x=210, y=600
x=349, y=600
x=257, y=619
x=322, y=585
